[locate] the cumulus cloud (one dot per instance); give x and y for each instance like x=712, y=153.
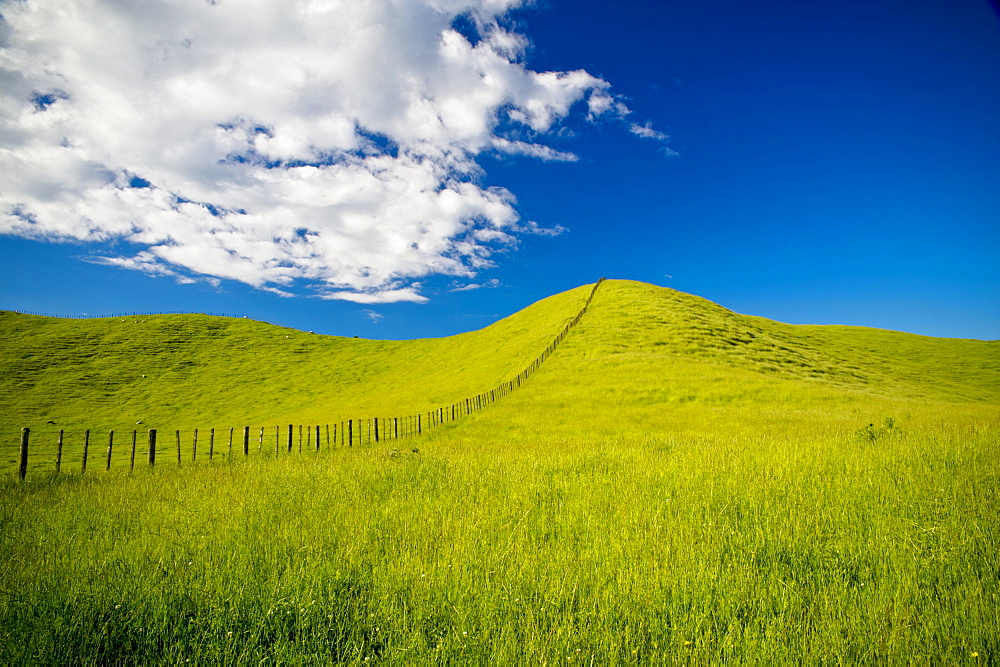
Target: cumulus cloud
x=280, y=143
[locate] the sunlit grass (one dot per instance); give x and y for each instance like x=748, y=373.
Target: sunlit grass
x=648, y=497
x=727, y=546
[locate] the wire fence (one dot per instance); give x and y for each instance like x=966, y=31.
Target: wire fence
x=123, y=314
x=158, y=446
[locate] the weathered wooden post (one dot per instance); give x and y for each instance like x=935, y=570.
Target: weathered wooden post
x=194, y=447
x=277, y=439
x=246, y=441
x=289, y=438
x=178, y=446
x=151, y=455
x=22, y=469
x=131, y=463
x=317, y=437
x=59, y=447
x=111, y=443
x=300, y=438
x=260, y=445
x=328, y=435
x=376, y=429
x=350, y=432
x=230, y=442
x=86, y=449
x=211, y=444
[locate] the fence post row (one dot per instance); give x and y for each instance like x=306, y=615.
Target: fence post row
x=412, y=425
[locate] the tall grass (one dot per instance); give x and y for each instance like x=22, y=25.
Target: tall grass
x=869, y=546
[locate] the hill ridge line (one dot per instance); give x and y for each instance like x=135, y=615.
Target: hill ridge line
x=413, y=425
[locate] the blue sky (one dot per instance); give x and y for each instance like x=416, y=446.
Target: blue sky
x=829, y=163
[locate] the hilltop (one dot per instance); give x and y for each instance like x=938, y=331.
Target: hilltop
x=640, y=346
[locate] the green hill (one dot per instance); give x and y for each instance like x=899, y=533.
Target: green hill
x=676, y=484
x=640, y=346
x=182, y=371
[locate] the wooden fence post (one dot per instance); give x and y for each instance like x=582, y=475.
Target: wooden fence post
x=300, y=438
x=178, y=446
x=59, y=447
x=22, y=468
x=246, y=441
x=260, y=445
x=317, y=437
x=328, y=435
x=289, y=438
x=86, y=449
x=277, y=439
x=111, y=443
x=211, y=444
x=194, y=447
x=376, y=429
x=230, y=442
x=131, y=464
x=350, y=432
x=151, y=455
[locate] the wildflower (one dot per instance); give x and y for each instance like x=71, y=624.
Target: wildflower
x=975, y=654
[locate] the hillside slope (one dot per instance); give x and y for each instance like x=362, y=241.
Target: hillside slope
x=640, y=348
x=639, y=319
x=651, y=361
x=181, y=371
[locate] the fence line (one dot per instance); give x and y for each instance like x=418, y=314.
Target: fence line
x=371, y=430
x=128, y=314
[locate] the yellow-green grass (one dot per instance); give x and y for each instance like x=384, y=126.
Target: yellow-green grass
x=182, y=372
x=666, y=488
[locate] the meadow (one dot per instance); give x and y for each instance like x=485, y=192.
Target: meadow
x=677, y=483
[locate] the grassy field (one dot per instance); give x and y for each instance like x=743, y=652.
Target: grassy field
x=677, y=483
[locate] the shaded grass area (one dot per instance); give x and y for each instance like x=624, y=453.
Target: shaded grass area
x=728, y=546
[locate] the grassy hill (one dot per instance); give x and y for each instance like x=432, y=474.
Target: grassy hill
x=183, y=371
x=677, y=483
x=639, y=345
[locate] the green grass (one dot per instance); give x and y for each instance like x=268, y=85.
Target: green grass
x=677, y=483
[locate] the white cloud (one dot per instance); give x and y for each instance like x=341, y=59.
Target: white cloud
x=647, y=131
x=491, y=283
x=274, y=142
x=390, y=295
x=373, y=316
